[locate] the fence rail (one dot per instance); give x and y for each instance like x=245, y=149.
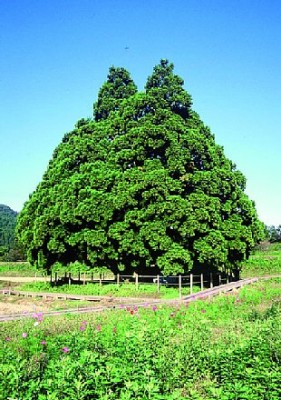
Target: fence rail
x=192, y=281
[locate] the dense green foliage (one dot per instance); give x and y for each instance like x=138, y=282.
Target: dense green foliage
x=8, y=219
x=222, y=349
x=142, y=187
x=10, y=250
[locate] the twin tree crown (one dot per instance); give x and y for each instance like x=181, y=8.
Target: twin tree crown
x=142, y=187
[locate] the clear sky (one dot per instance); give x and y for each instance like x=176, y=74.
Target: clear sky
x=55, y=55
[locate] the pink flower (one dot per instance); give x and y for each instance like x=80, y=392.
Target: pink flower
x=83, y=325
x=24, y=335
x=65, y=349
x=43, y=342
x=38, y=317
x=154, y=308
x=8, y=339
x=98, y=328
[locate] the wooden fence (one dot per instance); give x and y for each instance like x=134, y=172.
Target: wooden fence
x=192, y=281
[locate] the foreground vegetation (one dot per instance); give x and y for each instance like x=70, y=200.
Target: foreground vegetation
x=225, y=348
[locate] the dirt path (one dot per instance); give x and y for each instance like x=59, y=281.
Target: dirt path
x=10, y=305
x=23, y=279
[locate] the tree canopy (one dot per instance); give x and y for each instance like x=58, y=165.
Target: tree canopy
x=141, y=187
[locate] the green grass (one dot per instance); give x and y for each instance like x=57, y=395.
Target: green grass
x=16, y=269
x=263, y=262
x=225, y=348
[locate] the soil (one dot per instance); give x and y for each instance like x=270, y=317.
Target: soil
x=16, y=305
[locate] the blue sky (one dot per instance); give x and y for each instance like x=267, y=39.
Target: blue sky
x=55, y=56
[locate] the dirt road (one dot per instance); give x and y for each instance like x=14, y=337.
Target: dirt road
x=22, y=279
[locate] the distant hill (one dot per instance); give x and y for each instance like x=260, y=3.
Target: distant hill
x=8, y=219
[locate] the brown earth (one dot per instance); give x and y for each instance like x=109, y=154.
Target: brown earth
x=16, y=305
x=23, y=279
x=22, y=305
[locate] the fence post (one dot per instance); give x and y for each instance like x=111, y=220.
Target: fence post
x=191, y=283
x=84, y=278
x=180, y=286
x=227, y=278
x=158, y=283
x=118, y=279
x=100, y=279
x=137, y=281
x=69, y=278
x=219, y=279
x=56, y=278
x=211, y=280
x=202, y=281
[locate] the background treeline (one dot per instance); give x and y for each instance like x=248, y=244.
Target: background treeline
x=274, y=233
x=10, y=249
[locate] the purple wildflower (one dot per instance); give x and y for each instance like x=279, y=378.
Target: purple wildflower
x=65, y=349
x=38, y=317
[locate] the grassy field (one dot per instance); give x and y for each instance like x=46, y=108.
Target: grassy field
x=225, y=348
x=263, y=262
x=17, y=269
